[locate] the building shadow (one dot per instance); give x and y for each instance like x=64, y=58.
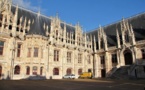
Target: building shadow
x=36, y=77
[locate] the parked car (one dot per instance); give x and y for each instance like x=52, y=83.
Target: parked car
x=86, y=75
x=69, y=76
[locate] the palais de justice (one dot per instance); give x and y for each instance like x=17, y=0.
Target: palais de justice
x=32, y=44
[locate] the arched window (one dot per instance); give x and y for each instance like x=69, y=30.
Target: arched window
x=0, y=71
x=34, y=70
x=41, y=70
x=27, y=70
x=55, y=71
x=17, y=70
x=68, y=71
x=79, y=71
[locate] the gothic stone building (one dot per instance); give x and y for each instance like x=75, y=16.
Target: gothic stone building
x=32, y=44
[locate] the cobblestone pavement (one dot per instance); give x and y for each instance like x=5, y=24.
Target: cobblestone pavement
x=77, y=84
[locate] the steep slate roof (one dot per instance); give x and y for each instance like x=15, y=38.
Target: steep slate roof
x=36, y=27
x=138, y=23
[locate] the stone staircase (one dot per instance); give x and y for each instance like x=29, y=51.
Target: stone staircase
x=133, y=71
x=112, y=71
x=121, y=73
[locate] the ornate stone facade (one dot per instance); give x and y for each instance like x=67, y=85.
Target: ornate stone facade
x=32, y=44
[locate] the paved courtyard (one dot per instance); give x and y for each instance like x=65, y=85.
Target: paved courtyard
x=77, y=84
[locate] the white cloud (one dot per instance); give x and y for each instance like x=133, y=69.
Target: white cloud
x=25, y=4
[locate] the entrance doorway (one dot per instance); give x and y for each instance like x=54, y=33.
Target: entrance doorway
x=103, y=73
x=89, y=70
x=135, y=73
x=128, y=57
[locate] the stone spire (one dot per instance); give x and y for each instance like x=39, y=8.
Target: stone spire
x=132, y=35
x=15, y=18
x=94, y=43
x=118, y=39
x=105, y=41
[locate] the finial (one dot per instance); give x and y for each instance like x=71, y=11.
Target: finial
x=100, y=26
x=57, y=15
x=78, y=23
x=38, y=12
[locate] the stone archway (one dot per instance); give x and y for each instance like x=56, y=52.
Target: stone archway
x=69, y=71
x=0, y=71
x=128, y=57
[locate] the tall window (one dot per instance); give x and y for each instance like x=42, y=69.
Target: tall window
x=114, y=58
x=68, y=57
x=29, y=52
x=79, y=58
x=55, y=71
x=34, y=70
x=56, y=55
x=143, y=53
x=102, y=59
x=89, y=59
x=17, y=70
x=1, y=47
x=19, y=50
x=41, y=70
x=102, y=44
x=35, y=52
x=79, y=71
x=126, y=37
x=27, y=70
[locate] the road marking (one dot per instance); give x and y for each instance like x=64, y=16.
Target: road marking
x=136, y=84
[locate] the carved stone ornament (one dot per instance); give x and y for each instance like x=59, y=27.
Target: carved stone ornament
x=4, y=5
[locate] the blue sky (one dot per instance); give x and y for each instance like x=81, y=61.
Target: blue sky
x=89, y=13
